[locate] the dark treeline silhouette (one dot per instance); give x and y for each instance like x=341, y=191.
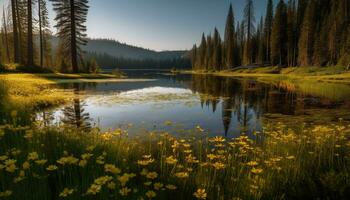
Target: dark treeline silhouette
x=293, y=33
x=107, y=61
x=25, y=34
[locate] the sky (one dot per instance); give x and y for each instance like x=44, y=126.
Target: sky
x=160, y=24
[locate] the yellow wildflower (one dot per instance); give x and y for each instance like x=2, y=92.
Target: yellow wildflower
x=6, y=193
x=171, y=160
x=144, y=172
x=151, y=194
x=111, y=185
x=152, y=175
x=124, y=179
x=200, y=194
x=171, y=187
x=70, y=160
x=124, y=191
x=257, y=170
x=145, y=162
x=112, y=169
x=82, y=163
x=86, y=156
x=26, y=165
x=2, y=158
x=102, y=180
x=66, y=192
x=252, y=164
x=181, y=174
x=290, y=157
x=33, y=156
x=40, y=162
x=219, y=165
x=158, y=186
x=94, y=189
x=52, y=168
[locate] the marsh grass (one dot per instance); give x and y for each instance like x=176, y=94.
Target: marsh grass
x=280, y=163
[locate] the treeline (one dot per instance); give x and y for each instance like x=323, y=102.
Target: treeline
x=294, y=33
x=107, y=61
x=25, y=35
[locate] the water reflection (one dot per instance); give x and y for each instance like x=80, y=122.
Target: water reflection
x=223, y=106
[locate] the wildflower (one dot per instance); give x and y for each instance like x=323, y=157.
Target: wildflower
x=171, y=160
x=219, y=165
x=217, y=139
x=70, y=160
x=252, y=163
x=100, y=160
x=28, y=135
x=6, y=193
x=90, y=148
x=290, y=157
x=199, y=129
x=158, y=186
x=147, y=183
x=86, y=156
x=144, y=172
x=200, y=194
x=171, y=187
x=40, y=162
x=152, y=175
x=66, y=192
x=33, y=156
x=145, y=162
x=112, y=169
x=10, y=165
x=211, y=156
x=82, y=163
x=26, y=165
x=102, y=180
x=124, y=191
x=151, y=194
x=52, y=168
x=111, y=185
x=94, y=189
x=125, y=178
x=2, y=158
x=181, y=174
x=257, y=170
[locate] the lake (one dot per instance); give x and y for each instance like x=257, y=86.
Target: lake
x=220, y=105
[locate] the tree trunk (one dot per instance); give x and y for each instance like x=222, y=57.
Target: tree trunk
x=15, y=32
x=74, y=53
x=30, y=49
x=40, y=35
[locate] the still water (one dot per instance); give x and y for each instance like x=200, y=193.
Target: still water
x=221, y=106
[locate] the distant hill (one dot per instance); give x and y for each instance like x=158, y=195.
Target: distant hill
x=121, y=50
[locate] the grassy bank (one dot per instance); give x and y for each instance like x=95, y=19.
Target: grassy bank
x=280, y=163
x=326, y=74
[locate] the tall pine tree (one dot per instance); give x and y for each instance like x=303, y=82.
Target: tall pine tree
x=229, y=40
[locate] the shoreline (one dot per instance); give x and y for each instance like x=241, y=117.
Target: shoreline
x=336, y=76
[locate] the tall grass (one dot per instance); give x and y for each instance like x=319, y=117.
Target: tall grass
x=60, y=162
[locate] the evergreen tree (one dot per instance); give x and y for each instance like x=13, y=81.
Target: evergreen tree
x=71, y=18
x=194, y=57
x=44, y=34
x=249, y=20
x=261, y=42
x=15, y=32
x=209, y=53
x=291, y=33
x=268, y=28
x=306, y=39
x=229, y=41
x=279, y=35
x=202, y=53
x=217, y=48
x=30, y=48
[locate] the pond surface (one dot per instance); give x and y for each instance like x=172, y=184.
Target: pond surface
x=222, y=106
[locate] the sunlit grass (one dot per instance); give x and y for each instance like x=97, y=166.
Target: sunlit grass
x=60, y=162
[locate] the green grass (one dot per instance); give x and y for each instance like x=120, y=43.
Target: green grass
x=280, y=163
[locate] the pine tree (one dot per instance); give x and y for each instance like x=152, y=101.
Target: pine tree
x=71, y=18
x=268, y=28
x=249, y=20
x=5, y=36
x=279, y=35
x=229, y=41
x=15, y=32
x=194, y=57
x=217, y=50
x=44, y=34
x=306, y=40
x=209, y=54
x=261, y=42
x=202, y=53
x=291, y=33
x=30, y=48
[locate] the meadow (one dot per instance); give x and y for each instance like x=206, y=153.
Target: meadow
x=279, y=163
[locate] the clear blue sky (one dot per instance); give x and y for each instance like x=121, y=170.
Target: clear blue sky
x=161, y=24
